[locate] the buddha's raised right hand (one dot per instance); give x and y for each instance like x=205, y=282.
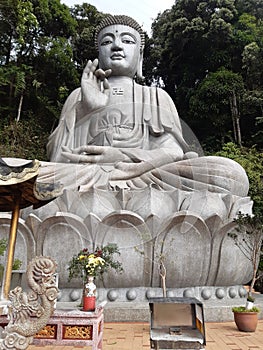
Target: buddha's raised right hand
x=95, y=87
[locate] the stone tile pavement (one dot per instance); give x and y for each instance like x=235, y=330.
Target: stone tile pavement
x=135, y=336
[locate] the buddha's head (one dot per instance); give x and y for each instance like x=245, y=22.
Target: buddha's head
x=120, y=42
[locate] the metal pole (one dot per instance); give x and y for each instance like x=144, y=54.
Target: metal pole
x=11, y=244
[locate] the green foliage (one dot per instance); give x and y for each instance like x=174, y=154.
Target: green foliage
x=23, y=140
x=243, y=309
x=54, y=18
x=246, y=28
x=253, y=65
x=193, y=43
x=16, y=264
x=43, y=49
x=217, y=88
x=252, y=161
x=253, y=7
x=3, y=246
x=36, y=60
x=252, y=105
x=12, y=85
x=95, y=263
x=87, y=18
x=190, y=33
x=26, y=21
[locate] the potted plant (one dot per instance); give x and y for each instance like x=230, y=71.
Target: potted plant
x=248, y=237
x=88, y=265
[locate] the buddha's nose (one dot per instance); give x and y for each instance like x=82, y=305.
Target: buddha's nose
x=117, y=44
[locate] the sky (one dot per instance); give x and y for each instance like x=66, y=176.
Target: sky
x=143, y=11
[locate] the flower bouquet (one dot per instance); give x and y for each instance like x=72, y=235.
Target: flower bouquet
x=87, y=263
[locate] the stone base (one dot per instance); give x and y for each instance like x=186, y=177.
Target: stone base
x=142, y=294
x=122, y=308
x=214, y=311
x=188, y=229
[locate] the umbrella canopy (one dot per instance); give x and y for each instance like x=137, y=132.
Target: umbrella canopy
x=18, y=177
x=19, y=189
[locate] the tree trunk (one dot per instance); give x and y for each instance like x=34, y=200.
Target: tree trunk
x=162, y=271
x=235, y=118
x=19, y=108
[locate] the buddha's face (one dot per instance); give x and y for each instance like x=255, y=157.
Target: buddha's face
x=119, y=50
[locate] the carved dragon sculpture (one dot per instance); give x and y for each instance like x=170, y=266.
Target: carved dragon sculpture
x=29, y=313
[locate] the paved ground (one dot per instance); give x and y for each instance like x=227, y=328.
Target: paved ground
x=135, y=336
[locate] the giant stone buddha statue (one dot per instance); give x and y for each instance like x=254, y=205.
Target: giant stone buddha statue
x=130, y=178
x=115, y=133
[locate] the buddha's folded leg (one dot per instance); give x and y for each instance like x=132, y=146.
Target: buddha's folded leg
x=73, y=176
x=215, y=174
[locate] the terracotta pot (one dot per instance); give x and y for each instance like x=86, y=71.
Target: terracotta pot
x=246, y=321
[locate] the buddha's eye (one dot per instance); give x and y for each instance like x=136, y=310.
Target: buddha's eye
x=106, y=41
x=127, y=39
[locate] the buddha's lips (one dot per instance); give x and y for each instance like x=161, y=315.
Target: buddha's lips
x=117, y=56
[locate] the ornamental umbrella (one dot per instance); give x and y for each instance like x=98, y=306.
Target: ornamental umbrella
x=19, y=189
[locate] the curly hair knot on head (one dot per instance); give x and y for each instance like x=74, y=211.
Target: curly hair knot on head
x=123, y=20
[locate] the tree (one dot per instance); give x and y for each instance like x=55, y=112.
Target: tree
x=252, y=59
x=33, y=28
x=87, y=18
x=248, y=238
x=19, y=22
x=216, y=102
x=191, y=33
x=36, y=65
x=195, y=39
x=253, y=7
x=252, y=161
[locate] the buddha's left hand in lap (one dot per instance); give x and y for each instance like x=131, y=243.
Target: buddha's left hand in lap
x=125, y=167
x=94, y=154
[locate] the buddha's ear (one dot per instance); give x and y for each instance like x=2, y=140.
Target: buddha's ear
x=139, y=65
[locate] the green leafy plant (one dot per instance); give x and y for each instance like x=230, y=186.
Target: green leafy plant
x=243, y=309
x=252, y=161
x=16, y=264
x=3, y=246
x=87, y=263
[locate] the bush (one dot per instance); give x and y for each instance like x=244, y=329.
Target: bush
x=252, y=161
x=24, y=139
x=243, y=309
x=16, y=264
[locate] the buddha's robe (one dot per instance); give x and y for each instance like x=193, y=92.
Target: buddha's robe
x=145, y=130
